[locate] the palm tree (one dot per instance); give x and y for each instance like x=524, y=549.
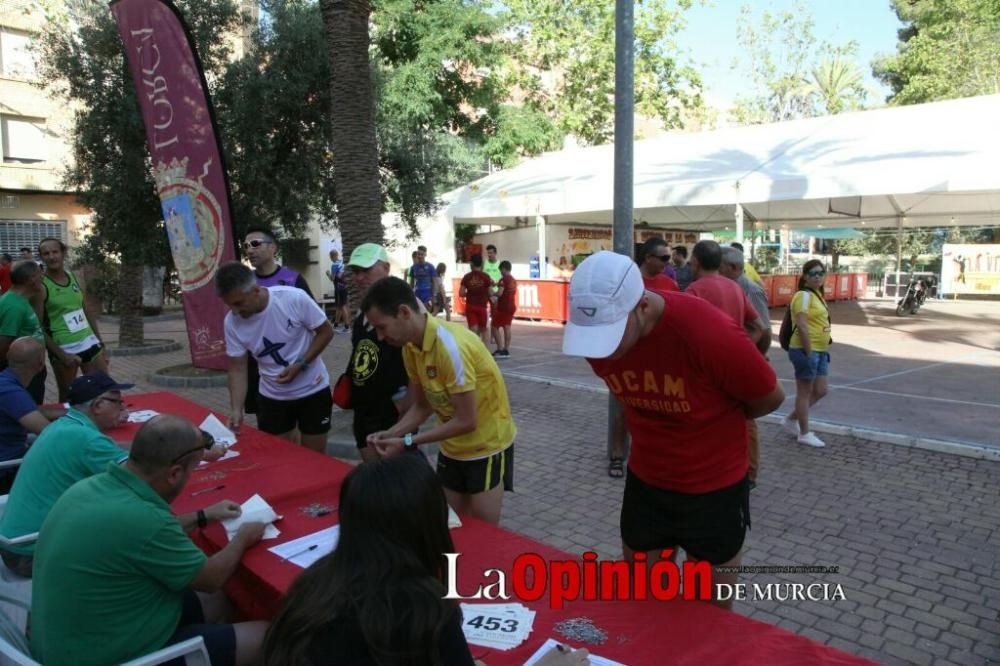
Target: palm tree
x=355, y=150
x=838, y=84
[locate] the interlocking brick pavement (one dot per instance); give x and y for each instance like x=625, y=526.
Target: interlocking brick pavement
x=915, y=533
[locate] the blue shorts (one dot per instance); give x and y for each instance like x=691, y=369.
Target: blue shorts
x=817, y=364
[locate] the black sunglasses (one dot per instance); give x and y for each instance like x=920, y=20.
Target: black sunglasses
x=207, y=442
x=816, y=273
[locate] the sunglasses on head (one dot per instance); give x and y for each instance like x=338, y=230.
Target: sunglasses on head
x=816, y=273
x=255, y=243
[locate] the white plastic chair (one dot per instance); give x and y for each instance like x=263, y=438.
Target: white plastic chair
x=192, y=651
x=11, y=584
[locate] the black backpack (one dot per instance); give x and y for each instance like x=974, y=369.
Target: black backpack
x=787, y=328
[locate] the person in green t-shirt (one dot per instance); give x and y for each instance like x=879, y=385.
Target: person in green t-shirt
x=18, y=318
x=72, y=337
x=491, y=266
x=116, y=577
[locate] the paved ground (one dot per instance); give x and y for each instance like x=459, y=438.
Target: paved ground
x=915, y=533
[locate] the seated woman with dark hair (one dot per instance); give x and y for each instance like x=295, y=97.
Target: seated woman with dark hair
x=377, y=599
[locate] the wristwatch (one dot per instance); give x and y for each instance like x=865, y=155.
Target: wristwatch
x=408, y=441
x=202, y=518
x=301, y=361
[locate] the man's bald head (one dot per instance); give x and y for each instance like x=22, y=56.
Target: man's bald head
x=23, y=272
x=164, y=441
x=25, y=352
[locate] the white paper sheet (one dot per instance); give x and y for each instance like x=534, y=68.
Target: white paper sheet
x=217, y=429
x=231, y=453
x=499, y=626
x=255, y=510
x=453, y=519
x=142, y=415
x=550, y=644
x=306, y=550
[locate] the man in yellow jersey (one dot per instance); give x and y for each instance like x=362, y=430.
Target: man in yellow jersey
x=453, y=375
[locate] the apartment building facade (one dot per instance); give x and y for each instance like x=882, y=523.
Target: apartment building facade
x=33, y=150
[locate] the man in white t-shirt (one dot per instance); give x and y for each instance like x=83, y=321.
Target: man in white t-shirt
x=286, y=332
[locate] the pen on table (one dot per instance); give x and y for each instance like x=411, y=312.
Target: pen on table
x=301, y=552
x=207, y=490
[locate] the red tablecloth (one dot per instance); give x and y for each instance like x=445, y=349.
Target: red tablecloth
x=291, y=478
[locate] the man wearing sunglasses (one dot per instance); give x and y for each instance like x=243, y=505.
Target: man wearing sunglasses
x=654, y=257
x=261, y=248
x=68, y=450
x=117, y=575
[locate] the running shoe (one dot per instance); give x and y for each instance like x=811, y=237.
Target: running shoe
x=809, y=439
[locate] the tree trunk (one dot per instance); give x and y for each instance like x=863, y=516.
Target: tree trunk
x=355, y=150
x=130, y=332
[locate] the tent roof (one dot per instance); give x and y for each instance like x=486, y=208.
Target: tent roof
x=928, y=163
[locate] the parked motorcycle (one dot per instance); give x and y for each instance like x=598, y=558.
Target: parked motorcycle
x=916, y=293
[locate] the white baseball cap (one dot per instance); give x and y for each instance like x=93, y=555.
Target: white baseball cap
x=604, y=289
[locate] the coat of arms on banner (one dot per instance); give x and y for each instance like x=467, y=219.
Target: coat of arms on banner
x=193, y=219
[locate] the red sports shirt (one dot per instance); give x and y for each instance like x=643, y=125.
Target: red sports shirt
x=662, y=282
x=477, y=285
x=683, y=387
x=508, y=299
x=726, y=295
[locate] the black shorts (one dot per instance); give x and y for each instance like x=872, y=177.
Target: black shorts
x=86, y=356
x=477, y=476
x=339, y=296
x=311, y=414
x=220, y=639
x=709, y=526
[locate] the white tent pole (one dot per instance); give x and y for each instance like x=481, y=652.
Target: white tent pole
x=543, y=265
x=739, y=224
x=899, y=245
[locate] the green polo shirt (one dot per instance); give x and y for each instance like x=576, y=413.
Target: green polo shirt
x=18, y=318
x=110, y=572
x=69, y=449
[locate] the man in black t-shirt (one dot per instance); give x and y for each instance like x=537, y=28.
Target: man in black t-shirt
x=378, y=377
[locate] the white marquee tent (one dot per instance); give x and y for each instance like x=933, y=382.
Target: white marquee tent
x=923, y=165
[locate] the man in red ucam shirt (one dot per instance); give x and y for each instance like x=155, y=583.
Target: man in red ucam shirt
x=723, y=293
x=688, y=378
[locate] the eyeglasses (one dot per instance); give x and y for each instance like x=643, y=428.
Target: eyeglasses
x=207, y=442
x=254, y=243
x=816, y=273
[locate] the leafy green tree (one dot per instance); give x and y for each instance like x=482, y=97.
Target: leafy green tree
x=793, y=74
x=82, y=62
x=274, y=107
x=562, y=62
x=947, y=49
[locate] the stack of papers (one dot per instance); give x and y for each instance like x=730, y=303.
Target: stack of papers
x=499, y=626
x=217, y=429
x=142, y=415
x=551, y=644
x=255, y=510
x=306, y=550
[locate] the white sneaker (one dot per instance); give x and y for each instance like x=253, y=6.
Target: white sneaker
x=790, y=425
x=809, y=439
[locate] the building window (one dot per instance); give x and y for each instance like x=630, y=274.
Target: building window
x=15, y=234
x=23, y=139
x=16, y=59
